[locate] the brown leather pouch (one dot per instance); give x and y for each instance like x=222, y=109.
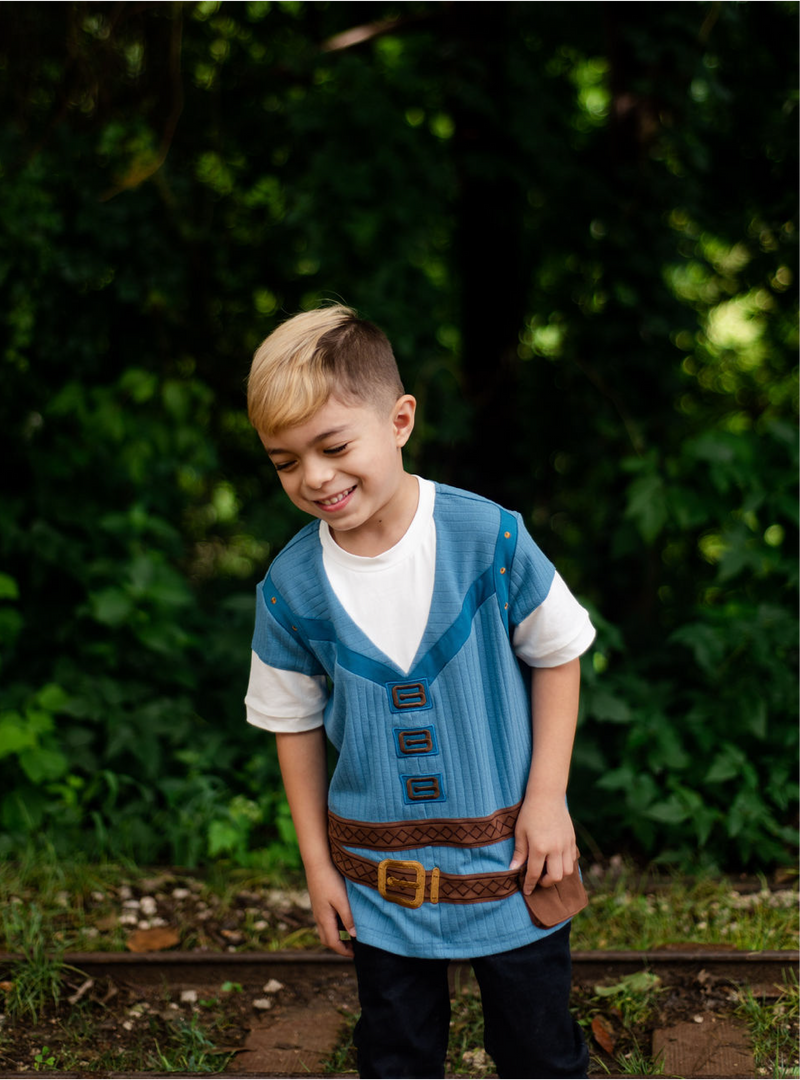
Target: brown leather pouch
x=552, y=905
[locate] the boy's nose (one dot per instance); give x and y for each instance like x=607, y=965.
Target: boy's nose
x=317, y=474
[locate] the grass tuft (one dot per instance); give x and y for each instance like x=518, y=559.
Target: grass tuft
x=343, y=1057
x=465, y=1053
x=634, y=911
x=633, y=998
x=773, y=1028
x=36, y=980
x=190, y=1049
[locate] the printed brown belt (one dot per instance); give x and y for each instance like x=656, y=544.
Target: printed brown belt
x=406, y=881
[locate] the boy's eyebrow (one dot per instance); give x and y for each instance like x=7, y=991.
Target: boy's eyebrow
x=317, y=439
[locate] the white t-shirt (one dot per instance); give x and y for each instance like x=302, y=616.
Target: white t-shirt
x=372, y=590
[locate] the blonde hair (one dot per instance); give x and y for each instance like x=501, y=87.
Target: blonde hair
x=313, y=355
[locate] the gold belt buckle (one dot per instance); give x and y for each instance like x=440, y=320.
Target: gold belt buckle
x=394, y=888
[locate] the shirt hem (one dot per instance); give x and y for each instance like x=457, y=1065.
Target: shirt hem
x=278, y=725
x=446, y=951
x=570, y=651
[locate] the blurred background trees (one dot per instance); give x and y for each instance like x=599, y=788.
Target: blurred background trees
x=577, y=224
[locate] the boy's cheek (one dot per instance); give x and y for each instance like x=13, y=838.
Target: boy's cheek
x=287, y=485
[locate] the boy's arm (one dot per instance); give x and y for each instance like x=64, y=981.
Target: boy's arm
x=304, y=770
x=544, y=831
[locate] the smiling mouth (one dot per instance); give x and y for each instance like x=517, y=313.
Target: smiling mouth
x=336, y=498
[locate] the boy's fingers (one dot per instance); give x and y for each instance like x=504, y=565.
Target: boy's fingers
x=343, y=948
x=328, y=928
x=532, y=875
x=519, y=856
x=553, y=870
x=344, y=920
x=557, y=867
x=345, y=917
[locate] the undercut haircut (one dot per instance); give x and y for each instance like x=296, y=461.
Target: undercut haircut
x=314, y=355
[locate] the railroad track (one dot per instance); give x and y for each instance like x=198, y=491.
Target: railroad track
x=250, y=969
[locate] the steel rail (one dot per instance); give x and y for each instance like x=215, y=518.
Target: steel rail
x=251, y=968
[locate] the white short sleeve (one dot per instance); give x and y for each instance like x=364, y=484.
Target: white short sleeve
x=284, y=701
x=555, y=632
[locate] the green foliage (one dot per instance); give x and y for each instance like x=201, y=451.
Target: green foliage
x=584, y=258
x=190, y=1049
x=36, y=978
x=721, y=780
x=633, y=997
x=465, y=1050
x=772, y=1025
x=44, y=1059
x=632, y=912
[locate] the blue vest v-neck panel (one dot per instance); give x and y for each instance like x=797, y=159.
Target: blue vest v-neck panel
x=449, y=738
x=469, y=569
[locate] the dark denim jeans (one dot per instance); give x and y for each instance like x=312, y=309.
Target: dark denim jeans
x=405, y=1012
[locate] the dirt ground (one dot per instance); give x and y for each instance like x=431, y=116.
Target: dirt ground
x=106, y=1027
x=618, y=1029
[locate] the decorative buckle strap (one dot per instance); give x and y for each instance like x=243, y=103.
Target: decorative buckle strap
x=433, y=832
x=405, y=881
x=396, y=889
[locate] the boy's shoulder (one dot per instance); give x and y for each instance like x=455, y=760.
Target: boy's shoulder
x=458, y=493
x=299, y=550
x=472, y=531
x=468, y=504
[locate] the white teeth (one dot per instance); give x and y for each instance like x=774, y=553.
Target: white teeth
x=336, y=499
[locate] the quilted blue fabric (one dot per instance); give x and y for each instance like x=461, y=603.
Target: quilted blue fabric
x=449, y=739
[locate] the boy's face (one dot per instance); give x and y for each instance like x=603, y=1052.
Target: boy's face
x=345, y=466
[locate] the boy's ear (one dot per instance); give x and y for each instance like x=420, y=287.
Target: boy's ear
x=403, y=418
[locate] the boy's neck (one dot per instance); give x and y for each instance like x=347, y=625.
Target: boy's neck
x=384, y=531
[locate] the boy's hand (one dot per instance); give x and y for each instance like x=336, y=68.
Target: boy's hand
x=329, y=903
x=303, y=762
x=546, y=838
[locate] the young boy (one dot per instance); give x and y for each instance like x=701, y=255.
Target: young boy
x=395, y=623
